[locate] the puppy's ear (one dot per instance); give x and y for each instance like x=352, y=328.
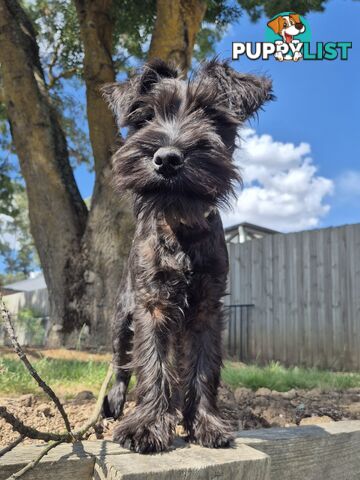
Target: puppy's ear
x=276, y=24
x=121, y=96
x=295, y=17
x=153, y=72
x=242, y=94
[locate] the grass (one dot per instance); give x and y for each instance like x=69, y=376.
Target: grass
x=68, y=376
x=276, y=377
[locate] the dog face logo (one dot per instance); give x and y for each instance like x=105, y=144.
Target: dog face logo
x=287, y=26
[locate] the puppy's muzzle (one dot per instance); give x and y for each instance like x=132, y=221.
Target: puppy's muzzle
x=168, y=161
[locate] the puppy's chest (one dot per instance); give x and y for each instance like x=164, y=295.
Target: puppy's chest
x=166, y=265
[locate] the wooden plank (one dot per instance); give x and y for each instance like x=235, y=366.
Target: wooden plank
x=350, y=294
x=257, y=298
x=338, y=332
x=343, y=286
x=322, y=452
x=268, y=280
x=276, y=341
x=188, y=462
x=356, y=294
x=326, y=452
x=246, y=299
x=328, y=334
x=66, y=461
x=320, y=298
x=299, y=274
x=280, y=240
x=313, y=300
x=308, y=352
x=290, y=281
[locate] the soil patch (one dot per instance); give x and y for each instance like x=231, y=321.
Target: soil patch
x=245, y=409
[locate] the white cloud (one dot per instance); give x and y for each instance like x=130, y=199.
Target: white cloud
x=281, y=187
x=348, y=183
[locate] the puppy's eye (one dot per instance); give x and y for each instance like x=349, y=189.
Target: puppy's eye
x=139, y=120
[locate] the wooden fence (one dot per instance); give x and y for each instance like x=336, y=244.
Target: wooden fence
x=305, y=292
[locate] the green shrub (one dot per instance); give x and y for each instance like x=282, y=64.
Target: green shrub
x=31, y=322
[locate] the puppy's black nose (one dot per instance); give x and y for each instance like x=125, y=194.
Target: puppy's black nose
x=299, y=26
x=168, y=160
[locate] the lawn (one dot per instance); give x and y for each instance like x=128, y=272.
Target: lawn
x=68, y=376
x=277, y=377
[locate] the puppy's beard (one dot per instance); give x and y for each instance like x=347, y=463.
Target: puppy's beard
x=177, y=209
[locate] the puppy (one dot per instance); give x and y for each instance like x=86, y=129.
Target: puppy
x=177, y=164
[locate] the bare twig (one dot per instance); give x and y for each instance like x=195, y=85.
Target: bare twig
x=54, y=438
x=65, y=437
x=5, y=314
x=30, y=432
x=34, y=462
x=78, y=434
x=12, y=445
x=53, y=80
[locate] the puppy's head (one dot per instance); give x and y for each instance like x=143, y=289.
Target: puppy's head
x=177, y=156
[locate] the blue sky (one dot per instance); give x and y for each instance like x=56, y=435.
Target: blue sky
x=316, y=105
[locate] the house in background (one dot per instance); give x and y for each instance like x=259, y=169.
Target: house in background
x=242, y=232
x=28, y=303
x=34, y=282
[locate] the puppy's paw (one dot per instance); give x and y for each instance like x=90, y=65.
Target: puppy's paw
x=211, y=431
x=145, y=436
x=114, y=401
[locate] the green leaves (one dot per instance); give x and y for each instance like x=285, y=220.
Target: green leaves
x=17, y=248
x=256, y=8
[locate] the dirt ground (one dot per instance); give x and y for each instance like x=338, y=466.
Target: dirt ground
x=59, y=353
x=244, y=408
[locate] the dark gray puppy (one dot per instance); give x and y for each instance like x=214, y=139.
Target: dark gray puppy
x=177, y=163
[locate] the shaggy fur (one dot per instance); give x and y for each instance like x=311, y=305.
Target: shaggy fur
x=177, y=164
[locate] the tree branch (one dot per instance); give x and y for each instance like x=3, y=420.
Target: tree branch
x=34, y=462
x=64, y=437
x=30, y=432
x=177, y=24
x=6, y=317
x=12, y=445
x=53, y=79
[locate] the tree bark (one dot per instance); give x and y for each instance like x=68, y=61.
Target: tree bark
x=177, y=24
x=57, y=212
x=110, y=225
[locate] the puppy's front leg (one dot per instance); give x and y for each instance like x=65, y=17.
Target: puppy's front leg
x=201, y=376
x=150, y=427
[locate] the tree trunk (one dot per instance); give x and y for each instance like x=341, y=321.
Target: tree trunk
x=110, y=226
x=177, y=24
x=57, y=212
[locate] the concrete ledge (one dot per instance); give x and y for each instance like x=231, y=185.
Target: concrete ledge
x=326, y=452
